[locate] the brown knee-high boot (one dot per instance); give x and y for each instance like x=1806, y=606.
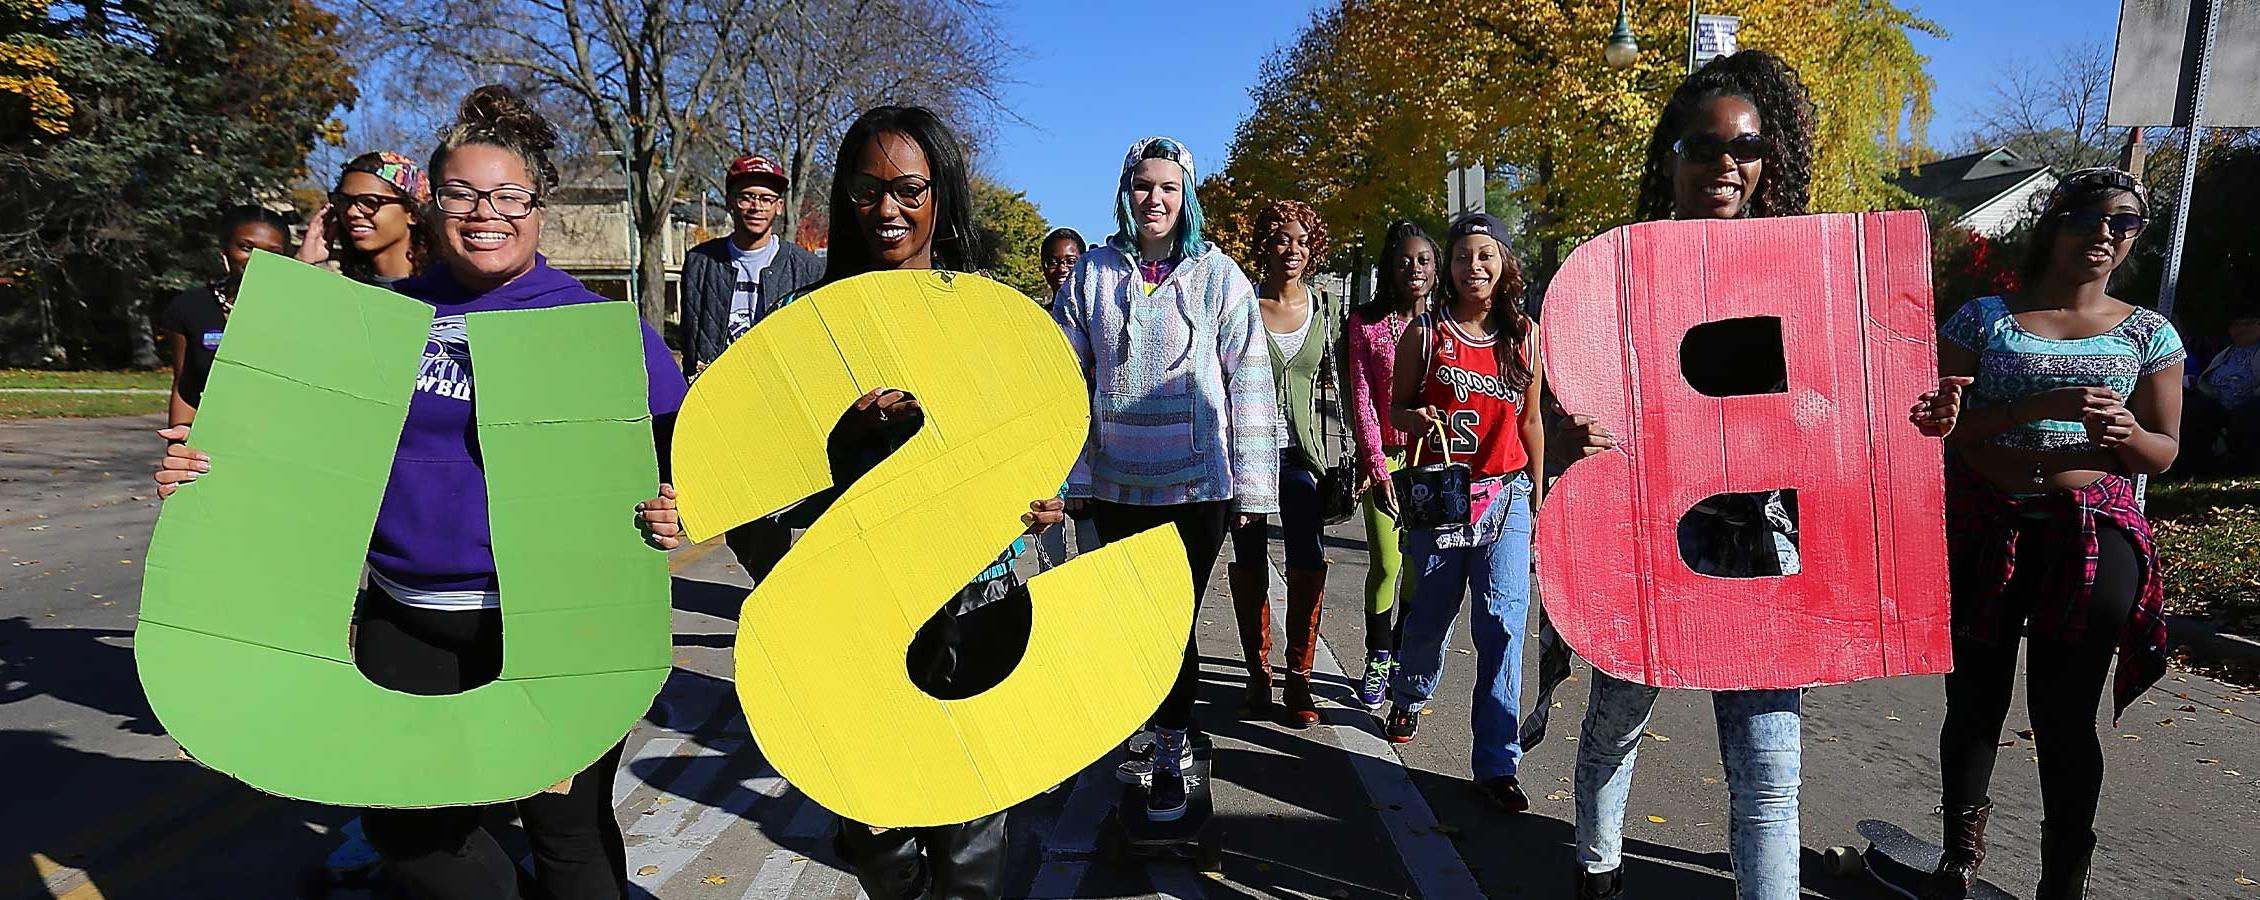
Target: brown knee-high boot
x=1306, y=591
x=1251, y=604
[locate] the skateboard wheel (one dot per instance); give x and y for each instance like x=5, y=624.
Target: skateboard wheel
x=1844, y=862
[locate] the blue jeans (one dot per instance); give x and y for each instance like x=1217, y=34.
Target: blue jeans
x=1761, y=745
x=1498, y=574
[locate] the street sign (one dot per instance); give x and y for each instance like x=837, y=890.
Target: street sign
x=1463, y=190
x=2154, y=72
x=1716, y=36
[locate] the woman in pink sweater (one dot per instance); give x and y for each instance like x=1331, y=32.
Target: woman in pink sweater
x=1408, y=272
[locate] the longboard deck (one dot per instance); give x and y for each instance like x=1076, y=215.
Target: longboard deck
x=1142, y=832
x=1900, y=861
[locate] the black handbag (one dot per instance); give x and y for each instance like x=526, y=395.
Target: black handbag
x=1338, y=485
x=1435, y=496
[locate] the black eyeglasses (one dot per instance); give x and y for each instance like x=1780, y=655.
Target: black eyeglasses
x=1745, y=148
x=366, y=204
x=507, y=202
x=2122, y=225
x=1058, y=262
x=909, y=190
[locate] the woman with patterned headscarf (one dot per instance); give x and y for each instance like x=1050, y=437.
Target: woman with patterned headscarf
x=369, y=225
x=1185, y=427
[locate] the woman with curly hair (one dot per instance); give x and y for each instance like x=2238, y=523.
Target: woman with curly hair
x=1734, y=141
x=1408, y=273
x=1300, y=325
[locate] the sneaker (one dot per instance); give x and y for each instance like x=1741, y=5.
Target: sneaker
x=1505, y=793
x=1607, y=885
x=1403, y=724
x=1139, y=768
x=1166, y=790
x=1379, y=665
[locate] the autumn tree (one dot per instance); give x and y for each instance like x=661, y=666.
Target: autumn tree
x=1377, y=99
x=2051, y=110
x=168, y=112
x=1009, y=228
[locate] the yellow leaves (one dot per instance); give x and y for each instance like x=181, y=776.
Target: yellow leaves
x=25, y=69
x=1363, y=110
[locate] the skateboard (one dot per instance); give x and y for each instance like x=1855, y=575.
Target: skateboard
x=1899, y=861
x=1128, y=836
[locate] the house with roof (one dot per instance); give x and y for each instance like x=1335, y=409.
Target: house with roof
x=1989, y=192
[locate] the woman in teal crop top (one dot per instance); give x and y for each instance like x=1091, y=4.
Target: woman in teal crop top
x=2053, y=398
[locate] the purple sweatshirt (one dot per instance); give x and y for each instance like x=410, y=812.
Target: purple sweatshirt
x=432, y=532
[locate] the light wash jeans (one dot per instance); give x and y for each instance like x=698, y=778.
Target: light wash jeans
x=1761, y=733
x=1497, y=573
x=1760, y=743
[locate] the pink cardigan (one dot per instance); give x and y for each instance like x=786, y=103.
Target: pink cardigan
x=1373, y=355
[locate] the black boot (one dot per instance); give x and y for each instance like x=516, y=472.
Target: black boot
x=2064, y=856
x=1965, y=849
x=888, y=863
x=1607, y=885
x=968, y=859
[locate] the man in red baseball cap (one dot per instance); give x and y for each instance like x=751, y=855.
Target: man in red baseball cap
x=731, y=283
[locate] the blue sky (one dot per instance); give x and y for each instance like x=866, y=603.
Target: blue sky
x=1081, y=115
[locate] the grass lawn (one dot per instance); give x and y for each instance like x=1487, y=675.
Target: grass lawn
x=2209, y=548
x=159, y=380
x=40, y=394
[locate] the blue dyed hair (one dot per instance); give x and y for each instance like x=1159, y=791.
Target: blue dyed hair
x=1189, y=220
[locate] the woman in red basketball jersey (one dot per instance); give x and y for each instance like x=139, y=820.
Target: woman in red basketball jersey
x=1462, y=374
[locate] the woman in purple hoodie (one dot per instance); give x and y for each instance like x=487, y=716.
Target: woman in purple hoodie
x=430, y=621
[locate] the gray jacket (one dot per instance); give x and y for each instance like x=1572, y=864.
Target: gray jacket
x=709, y=279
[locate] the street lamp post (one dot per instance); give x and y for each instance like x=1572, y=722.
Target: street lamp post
x=1621, y=50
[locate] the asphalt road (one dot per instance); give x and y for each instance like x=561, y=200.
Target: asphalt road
x=98, y=804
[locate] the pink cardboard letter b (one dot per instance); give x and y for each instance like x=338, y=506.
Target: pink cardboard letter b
x=1849, y=296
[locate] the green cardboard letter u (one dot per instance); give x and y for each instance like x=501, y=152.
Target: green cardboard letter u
x=243, y=645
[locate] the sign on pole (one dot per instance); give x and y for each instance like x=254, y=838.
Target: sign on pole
x=1715, y=36
x=1463, y=190
x=2154, y=71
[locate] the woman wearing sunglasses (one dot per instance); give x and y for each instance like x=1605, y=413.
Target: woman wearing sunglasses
x=1734, y=141
x=2052, y=399
x=430, y=621
x=372, y=224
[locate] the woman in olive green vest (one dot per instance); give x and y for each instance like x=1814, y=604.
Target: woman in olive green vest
x=1303, y=325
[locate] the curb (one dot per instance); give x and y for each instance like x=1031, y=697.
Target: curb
x=2207, y=644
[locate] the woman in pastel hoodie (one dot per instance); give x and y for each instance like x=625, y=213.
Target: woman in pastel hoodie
x=1185, y=426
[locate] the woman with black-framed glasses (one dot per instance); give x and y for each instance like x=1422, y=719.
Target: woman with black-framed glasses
x=430, y=621
x=2052, y=399
x=372, y=224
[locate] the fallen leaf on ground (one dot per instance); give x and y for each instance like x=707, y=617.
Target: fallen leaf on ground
x=1427, y=712
x=1709, y=780
x=1891, y=718
x=2185, y=709
x=2247, y=882
x=2008, y=743
x=2165, y=723
x=2209, y=762
x=648, y=870
x=716, y=879
x=1656, y=820
x=2025, y=733
x=2131, y=737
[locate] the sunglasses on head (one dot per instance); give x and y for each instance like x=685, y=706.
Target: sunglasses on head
x=1745, y=148
x=2122, y=225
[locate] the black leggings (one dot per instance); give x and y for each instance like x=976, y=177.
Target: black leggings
x=1202, y=526
x=2064, y=682
x=446, y=854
